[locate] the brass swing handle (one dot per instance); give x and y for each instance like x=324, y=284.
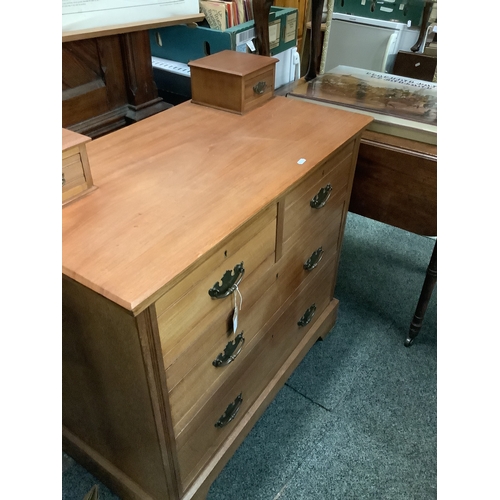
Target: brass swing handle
x=230, y=413
x=260, y=87
x=230, y=352
x=321, y=198
x=314, y=259
x=308, y=316
x=228, y=283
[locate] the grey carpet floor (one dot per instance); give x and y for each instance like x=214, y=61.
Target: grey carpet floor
x=358, y=417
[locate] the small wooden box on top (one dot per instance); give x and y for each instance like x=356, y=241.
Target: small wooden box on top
x=233, y=81
x=76, y=175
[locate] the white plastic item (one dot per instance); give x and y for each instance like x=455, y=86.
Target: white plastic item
x=287, y=67
x=366, y=43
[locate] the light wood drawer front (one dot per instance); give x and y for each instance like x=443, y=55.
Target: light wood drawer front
x=196, y=306
x=317, y=229
x=193, y=377
x=306, y=255
x=298, y=211
x=198, y=441
x=72, y=172
x=264, y=89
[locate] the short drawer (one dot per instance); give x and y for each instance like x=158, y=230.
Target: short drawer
x=72, y=172
x=258, y=89
x=199, y=440
x=307, y=251
x=319, y=196
x=187, y=309
x=76, y=175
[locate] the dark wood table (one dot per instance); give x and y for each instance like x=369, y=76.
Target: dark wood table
x=396, y=178
x=396, y=183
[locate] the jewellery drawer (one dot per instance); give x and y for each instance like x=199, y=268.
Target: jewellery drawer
x=190, y=301
x=76, y=175
x=72, y=172
x=233, y=81
x=321, y=192
x=199, y=440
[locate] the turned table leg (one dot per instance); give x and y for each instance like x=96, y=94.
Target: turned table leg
x=423, y=301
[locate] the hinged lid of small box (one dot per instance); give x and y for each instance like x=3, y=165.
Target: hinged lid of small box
x=234, y=81
x=236, y=63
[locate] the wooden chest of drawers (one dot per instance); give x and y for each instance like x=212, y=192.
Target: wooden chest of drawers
x=199, y=212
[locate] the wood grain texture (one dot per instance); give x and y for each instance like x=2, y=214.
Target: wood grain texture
x=225, y=80
x=198, y=441
x=199, y=488
x=71, y=139
x=108, y=389
x=141, y=233
x=396, y=183
x=107, y=83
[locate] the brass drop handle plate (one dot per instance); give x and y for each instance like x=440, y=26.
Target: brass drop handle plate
x=230, y=352
x=231, y=412
x=321, y=198
x=260, y=87
x=308, y=316
x=314, y=259
x=228, y=283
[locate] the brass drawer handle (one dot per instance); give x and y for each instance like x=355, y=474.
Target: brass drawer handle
x=321, y=198
x=63, y=179
x=314, y=259
x=260, y=87
x=230, y=413
x=308, y=316
x=230, y=352
x=228, y=283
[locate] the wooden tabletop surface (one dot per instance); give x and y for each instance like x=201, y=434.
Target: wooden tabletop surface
x=171, y=187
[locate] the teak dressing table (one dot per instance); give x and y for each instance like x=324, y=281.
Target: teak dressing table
x=196, y=208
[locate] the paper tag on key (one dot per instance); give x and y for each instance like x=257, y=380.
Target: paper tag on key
x=236, y=309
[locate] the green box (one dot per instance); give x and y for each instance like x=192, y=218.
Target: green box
x=184, y=43
x=400, y=11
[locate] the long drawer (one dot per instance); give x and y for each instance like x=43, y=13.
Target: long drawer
x=198, y=441
x=189, y=303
